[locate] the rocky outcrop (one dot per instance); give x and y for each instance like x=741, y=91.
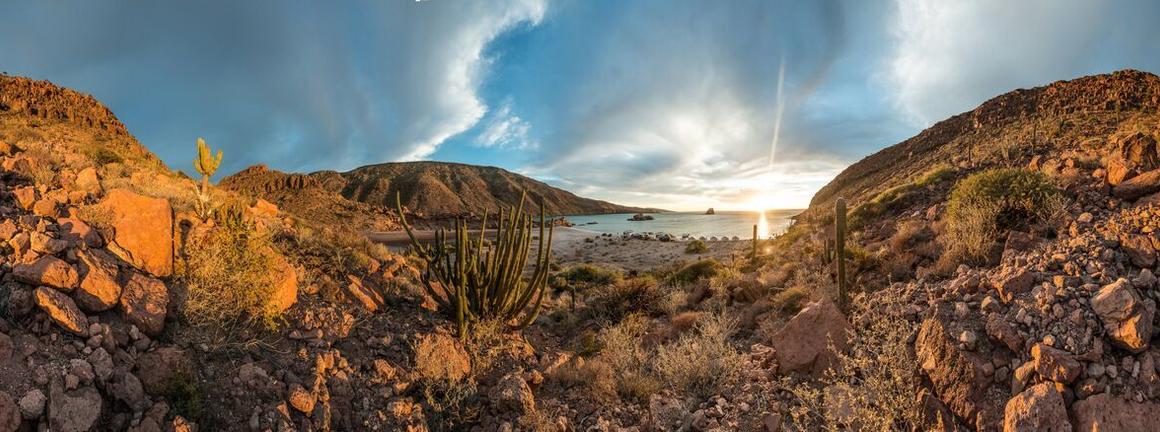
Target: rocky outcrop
x=142, y=230
x=1139, y=186
x=959, y=376
x=803, y=344
x=45, y=100
x=100, y=286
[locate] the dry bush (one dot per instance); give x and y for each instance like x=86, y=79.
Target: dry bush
x=590, y=275
x=622, y=351
x=700, y=362
x=702, y=269
x=987, y=203
x=612, y=303
x=790, y=300
x=872, y=388
x=684, y=321
x=908, y=234
x=230, y=277
x=696, y=246
x=594, y=375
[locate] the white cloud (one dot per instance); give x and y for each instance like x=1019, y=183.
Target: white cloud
x=504, y=129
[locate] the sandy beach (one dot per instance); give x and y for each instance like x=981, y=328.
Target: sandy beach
x=572, y=246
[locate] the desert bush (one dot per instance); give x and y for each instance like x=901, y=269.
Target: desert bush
x=590, y=275
x=700, y=362
x=985, y=204
x=612, y=303
x=696, y=246
x=594, y=375
x=875, y=385
x=938, y=174
x=230, y=276
x=790, y=300
x=907, y=234
x=696, y=271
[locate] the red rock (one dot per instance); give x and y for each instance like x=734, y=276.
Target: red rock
x=999, y=329
x=958, y=376
x=1014, y=283
x=441, y=357
x=1139, y=186
x=46, y=207
x=142, y=230
x=78, y=233
x=302, y=399
x=49, y=271
x=286, y=288
x=1126, y=318
x=88, y=181
x=1139, y=250
x=1039, y=408
x=802, y=345
x=61, y=309
x=1107, y=413
x=100, y=287
x=25, y=196
x=1055, y=364
x=365, y=296
x=144, y=301
x=512, y=394
x=161, y=366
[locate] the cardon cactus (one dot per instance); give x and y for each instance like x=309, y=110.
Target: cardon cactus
x=475, y=281
x=205, y=164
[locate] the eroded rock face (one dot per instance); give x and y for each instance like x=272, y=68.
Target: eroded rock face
x=1139, y=186
x=100, y=287
x=1039, y=408
x=1126, y=318
x=142, y=230
x=48, y=271
x=803, y=344
x=145, y=301
x=61, y=309
x=439, y=356
x=958, y=376
x=1107, y=413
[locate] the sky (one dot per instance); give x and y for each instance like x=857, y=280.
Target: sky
x=674, y=104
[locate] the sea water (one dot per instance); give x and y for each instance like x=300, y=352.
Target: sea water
x=726, y=224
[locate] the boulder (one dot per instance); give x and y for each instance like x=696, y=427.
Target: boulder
x=363, y=295
x=1055, y=364
x=88, y=181
x=301, y=399
x=512, y=394
x=1139, y=249
x=127, y=388
x=1139, y=186
x=958, y=377
x=1119, y=170
x=77, y=233
x=142, y=230
x=1039, y=408
x=25, y=196
x=1125, y=316
x=72, y=411
x=441, y=357
x=62, y=310
x=161, y=366
x=48, y=271
x=1139, y=149
x=286, y=288
x=100, y=287
x=144, y=300
x=32, y=404
x=802, y=345
x=1013, y=283
x=1105, y=412
x=10, y=416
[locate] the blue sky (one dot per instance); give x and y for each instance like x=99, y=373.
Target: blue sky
x=663, y=103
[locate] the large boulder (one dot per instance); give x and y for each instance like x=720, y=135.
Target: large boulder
x=48, y=271
x=61, y=309
x=286, y=285
x=1039, y=408
x=803, y=345
x=145, y=301
x=1108, y=413
x=1055, y=364
x=1139, y=186
x=162, y=366
x=1139, y=249
x=100, y=287
x=441, y=357
x=1126, y=318
x=72, y=411
x=142, y=230
x=959, y=377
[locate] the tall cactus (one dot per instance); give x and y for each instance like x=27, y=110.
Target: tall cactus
x=205, y=164
x=482, y=282
x=753, y=253
x=840, y=248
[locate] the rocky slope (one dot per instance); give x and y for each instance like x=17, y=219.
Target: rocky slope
x=304, y=196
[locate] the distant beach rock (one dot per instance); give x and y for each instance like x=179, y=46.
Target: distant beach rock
x=640, y=217
x=710, y=211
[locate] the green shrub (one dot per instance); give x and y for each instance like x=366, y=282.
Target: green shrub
x=184, y=395
x=696, y=247
x=612, y=303
x=985, y=204
x=790, y=300
x=589, y=275
x=102, y=156
x=696, y=271
x=940, y=173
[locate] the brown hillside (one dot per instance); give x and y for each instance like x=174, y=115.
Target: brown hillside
x=304, y=196
x=435, y=189
x=1080, y=116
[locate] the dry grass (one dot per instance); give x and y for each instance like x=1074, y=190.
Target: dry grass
x=873, y=387
x=790, y=300
x=700, y=362
x=230, y=277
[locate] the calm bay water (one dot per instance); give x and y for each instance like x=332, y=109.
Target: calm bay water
x=696, y=224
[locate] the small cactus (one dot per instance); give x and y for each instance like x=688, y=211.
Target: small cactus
x=840, y=248
x=206, y=164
